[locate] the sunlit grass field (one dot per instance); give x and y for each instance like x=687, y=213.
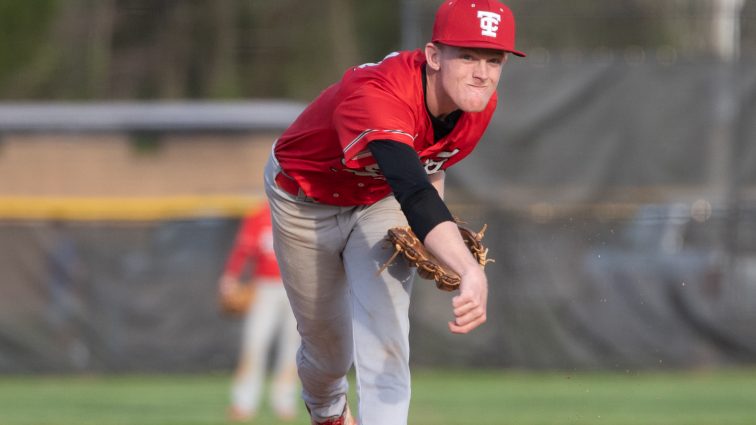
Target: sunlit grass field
x=439, y=398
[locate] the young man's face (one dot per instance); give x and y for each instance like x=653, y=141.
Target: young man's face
x=469, y=76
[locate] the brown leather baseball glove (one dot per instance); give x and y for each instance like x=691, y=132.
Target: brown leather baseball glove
x=428, y=266
x=234, y=299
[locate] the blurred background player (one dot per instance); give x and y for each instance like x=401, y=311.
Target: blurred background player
x=268, y=313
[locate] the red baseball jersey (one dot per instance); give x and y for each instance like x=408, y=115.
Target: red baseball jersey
x=254, y=246
x=325, y=149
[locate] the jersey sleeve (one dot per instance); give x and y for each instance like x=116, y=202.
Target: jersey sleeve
x=368, y=114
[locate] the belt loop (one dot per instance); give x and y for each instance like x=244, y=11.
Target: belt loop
x=273, y=155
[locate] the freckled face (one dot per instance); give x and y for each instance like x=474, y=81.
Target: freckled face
x=469, y=76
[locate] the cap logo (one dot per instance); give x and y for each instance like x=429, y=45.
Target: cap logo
x=489, y=23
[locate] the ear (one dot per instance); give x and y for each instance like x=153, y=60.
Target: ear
x=433, y=56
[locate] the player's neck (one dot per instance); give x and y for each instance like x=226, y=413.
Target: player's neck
x=438, y=104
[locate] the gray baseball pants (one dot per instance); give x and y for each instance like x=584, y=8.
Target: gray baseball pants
x=346, y=312
x=269, y=312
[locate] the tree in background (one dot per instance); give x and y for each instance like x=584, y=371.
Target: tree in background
x=173, y=49
x=236, y=49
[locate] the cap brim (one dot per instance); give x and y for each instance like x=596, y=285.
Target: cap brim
x=481, y=45
x=516, y=53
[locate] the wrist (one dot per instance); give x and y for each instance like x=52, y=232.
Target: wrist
x=471, y=269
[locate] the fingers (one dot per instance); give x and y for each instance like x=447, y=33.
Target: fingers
x=468, y=314
x=469, y=306
x=454, y=327
x=463, y=306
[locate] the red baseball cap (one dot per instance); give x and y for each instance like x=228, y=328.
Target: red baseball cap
x=475, y=23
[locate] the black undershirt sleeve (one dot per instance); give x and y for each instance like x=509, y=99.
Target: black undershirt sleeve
x=420, y=201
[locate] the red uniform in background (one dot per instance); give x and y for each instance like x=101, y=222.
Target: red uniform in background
x=254, y=245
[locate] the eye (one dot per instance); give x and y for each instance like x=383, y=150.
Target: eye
x=466, y=57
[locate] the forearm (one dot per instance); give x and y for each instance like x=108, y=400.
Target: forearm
x=417, y=193
x=446, y=243
x=421, y=199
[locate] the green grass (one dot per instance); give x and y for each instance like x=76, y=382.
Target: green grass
x=439, y=398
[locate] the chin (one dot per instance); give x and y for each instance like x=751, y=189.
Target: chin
x=476, y=105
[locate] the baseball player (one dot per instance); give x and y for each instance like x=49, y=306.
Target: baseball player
x=268, y=313
x=366, y=155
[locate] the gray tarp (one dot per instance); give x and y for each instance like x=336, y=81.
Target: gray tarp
x=621, y=212
x=114, y=297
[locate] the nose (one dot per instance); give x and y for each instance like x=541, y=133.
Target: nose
x=480, y=70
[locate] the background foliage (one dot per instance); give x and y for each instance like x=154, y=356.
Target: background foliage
x=190, y=49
